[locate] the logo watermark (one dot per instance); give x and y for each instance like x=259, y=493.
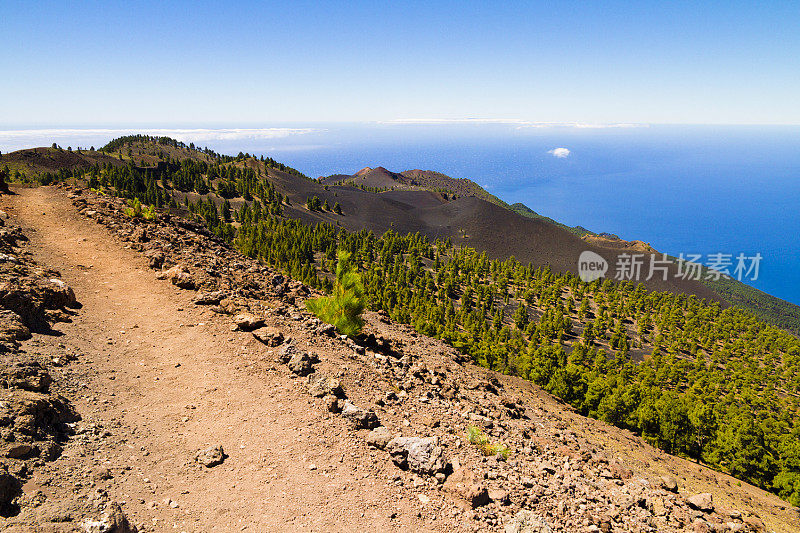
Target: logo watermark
x=644, y=267
x=591, y=266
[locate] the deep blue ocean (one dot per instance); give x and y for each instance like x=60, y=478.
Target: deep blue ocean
x=690, y=189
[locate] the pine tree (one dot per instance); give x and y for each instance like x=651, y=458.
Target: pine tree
x=343, y=308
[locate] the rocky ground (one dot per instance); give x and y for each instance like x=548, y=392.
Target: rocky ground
x=193, y=392
x=34, y=420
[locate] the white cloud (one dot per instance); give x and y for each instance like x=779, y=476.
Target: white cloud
x=581, y=125
x=604, y=126
x=16, y=139
x=519, y=123
x=560, y=153
x=436, y=121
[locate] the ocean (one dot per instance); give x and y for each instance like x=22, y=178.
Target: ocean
x=683, y=189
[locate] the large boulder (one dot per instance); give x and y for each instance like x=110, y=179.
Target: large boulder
x=59, y=295
x=418, y=454
x=23, y=374
x=29, y=297
x=9, y=489
x=36, y=414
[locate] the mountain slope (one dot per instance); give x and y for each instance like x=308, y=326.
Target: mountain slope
x=147, y=410
x=458, y=295
x=526, y=211
x=466, y=220
x=35, y=162
x=417, y=203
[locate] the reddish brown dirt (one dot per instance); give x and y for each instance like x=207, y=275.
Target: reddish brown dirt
x=167, y=379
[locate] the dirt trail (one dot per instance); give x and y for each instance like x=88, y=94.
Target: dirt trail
x=167, y=379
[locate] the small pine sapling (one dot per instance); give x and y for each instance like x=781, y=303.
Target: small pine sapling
x=344, y=306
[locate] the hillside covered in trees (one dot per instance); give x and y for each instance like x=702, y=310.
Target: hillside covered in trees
x=693, y=376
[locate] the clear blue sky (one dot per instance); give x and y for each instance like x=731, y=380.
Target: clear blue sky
x=147, y=62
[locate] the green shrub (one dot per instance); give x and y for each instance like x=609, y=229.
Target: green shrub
x=136, y=210
x=477, y=437
x=344, y=306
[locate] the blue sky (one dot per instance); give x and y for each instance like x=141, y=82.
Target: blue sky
x=202, y=63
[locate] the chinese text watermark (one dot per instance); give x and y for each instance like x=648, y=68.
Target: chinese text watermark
x=645, y=267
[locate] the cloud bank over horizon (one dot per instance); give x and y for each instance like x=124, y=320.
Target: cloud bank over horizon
x=518, y=122
x=26, y=138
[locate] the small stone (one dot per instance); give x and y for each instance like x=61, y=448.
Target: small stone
x=379, y=437
x=462, y=482
x=477, y=495
x=359, y=418
x=701, y=526
x=619, y=471
x=113, y=521
x=248, y=322
x=754, y=524
x=209, y=298
x=302, y=363
x=500, y=496
x=286, y=352
x=657, y=507
x=332, y=403
x=211, y=456
x=155, y=258
x=326, y=329
x=669, y=483
x=50, y=451
x=528, y=522
x=269, y=336
x=180, y=277
x=102, y=474
x=321, y=386
x=18, y=451
x=418, y=454
x=550, y=469
x=702, y=502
